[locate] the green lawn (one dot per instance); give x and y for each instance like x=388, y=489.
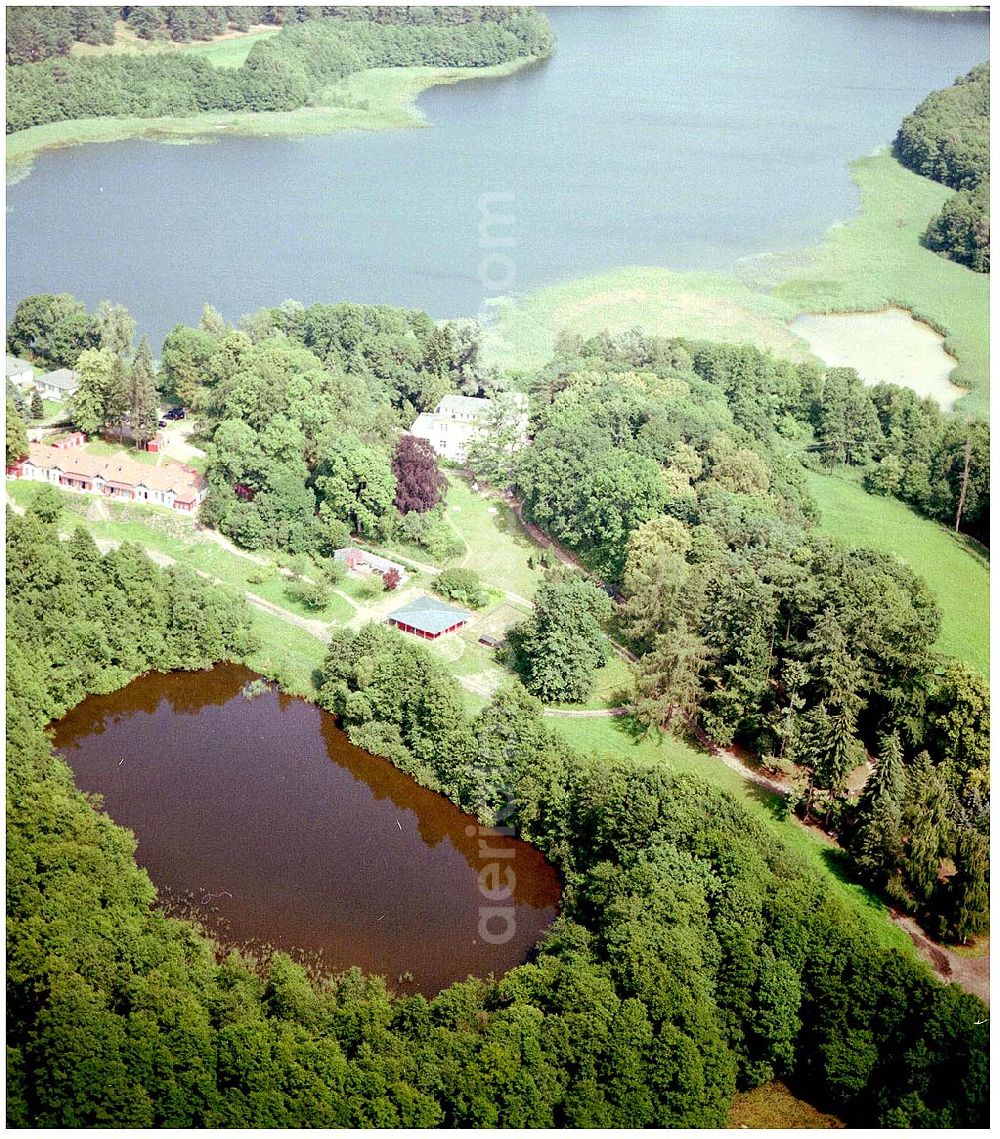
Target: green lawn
x=496, y=546
x=168, y=533
x=611, y=737
x=463, y=655
x=53, y=411
x=100, y=447
x=611, y=685
x=230, y=51
x=956, y=569
x=872, y=262
x=287, y=654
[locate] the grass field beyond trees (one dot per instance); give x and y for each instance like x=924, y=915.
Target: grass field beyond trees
x=496, y=546
x=229, y=50
x=877, y=260
x=955, y=568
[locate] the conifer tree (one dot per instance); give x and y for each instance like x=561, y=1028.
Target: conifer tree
x=877, y=843
x=142, y=397
x=668, y=681
x=925, y=820
x=967, y=897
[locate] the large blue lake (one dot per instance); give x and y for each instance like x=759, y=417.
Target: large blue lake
x=683, y=137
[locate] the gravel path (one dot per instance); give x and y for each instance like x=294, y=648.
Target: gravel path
x=586, y=713
x=319, y=629
x=969, y=973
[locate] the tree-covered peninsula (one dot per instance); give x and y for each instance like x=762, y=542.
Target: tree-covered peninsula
x=281, y=72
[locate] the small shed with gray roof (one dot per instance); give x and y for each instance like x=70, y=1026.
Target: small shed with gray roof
x=357, y=559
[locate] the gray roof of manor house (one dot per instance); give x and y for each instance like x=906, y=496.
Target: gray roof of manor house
x=463, y=405
x=64, y=378
x=429, y=615
x=15, y=365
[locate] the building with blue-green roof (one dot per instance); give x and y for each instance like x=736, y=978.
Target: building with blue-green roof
x=428, y=617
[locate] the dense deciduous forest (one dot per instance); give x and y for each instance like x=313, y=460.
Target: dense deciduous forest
x=301, y=408
x=693, y=955
x=35, y=33
x=280, y=73
x=304, y=407
x=947, y=138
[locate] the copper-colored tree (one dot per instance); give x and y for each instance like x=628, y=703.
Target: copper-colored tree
x=419, y=483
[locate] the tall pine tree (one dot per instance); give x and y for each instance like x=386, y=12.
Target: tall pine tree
x=143, y=402
x=925, y=819
x=966, y=903
x=877, y=842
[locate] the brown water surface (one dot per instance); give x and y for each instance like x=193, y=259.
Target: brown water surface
x=282, y=832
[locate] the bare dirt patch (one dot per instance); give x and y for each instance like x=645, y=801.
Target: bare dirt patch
x=970, y=973
x=482, y=683
x=176, y=442
x=497, y=621
x=884, y=347
x=382, y=605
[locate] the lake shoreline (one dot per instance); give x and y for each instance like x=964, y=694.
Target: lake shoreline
x=254, y=787
x=372, y=100
x=870, y=264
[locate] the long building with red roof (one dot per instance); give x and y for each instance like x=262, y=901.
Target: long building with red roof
x=115, y=476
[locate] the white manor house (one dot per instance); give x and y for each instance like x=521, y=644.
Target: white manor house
x=458, y=419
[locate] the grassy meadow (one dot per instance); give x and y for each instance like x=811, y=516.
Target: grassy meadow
x=955, y=568
x=496, y=546
x=523, y=332
x=228, y=50
x=165, y=532
x=874, y=261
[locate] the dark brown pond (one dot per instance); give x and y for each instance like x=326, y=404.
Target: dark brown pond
x=279, y=831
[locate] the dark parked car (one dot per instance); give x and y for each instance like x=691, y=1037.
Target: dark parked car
x=162, y=423
x=175, y=413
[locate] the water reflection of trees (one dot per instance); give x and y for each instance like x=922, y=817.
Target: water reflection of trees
x=438, y=818
x=185, y=693
x=189, y=692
